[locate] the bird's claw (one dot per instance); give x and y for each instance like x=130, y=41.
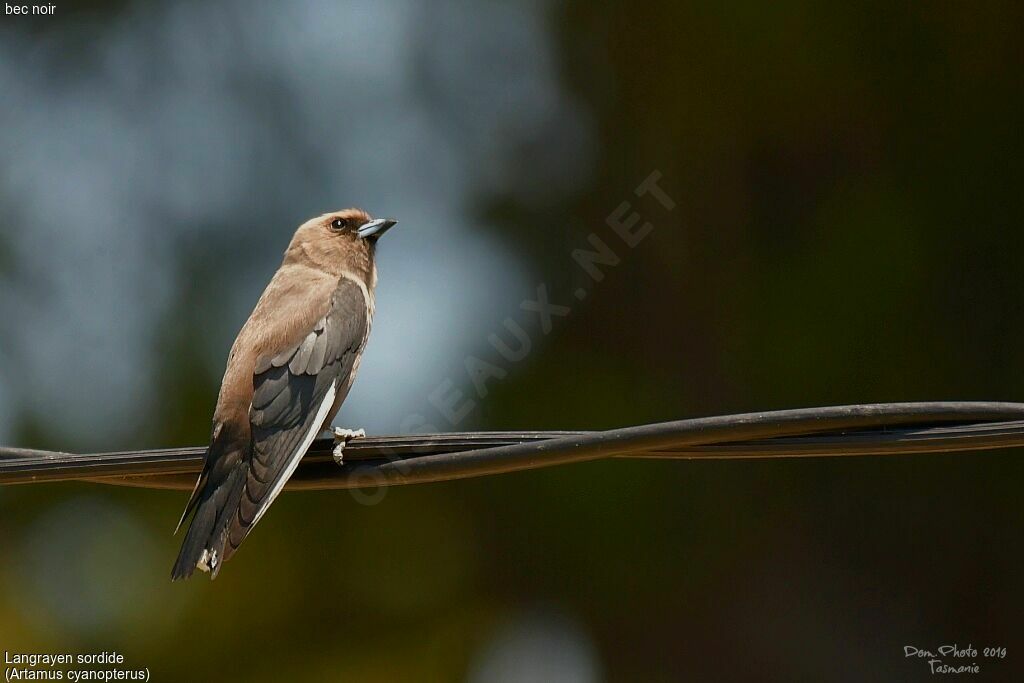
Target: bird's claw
x=341, y=439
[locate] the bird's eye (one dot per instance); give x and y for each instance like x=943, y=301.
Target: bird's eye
x=339, y=224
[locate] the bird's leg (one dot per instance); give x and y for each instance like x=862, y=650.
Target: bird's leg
x=341, y=439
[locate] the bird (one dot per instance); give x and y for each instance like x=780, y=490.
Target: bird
x=288, y=372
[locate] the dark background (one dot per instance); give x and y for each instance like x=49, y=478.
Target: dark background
x=848, y=210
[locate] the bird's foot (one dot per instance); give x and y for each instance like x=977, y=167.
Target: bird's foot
x=341, y=439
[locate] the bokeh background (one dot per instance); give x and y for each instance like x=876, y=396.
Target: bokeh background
x=847, y=180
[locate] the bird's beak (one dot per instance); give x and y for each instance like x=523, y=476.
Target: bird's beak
x=375, y=228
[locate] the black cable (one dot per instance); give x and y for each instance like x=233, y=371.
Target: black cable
x=880, y=429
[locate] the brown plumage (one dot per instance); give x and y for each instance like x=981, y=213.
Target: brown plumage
x=287, y=374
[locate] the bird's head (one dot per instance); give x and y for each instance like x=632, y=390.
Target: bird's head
x=339, y=241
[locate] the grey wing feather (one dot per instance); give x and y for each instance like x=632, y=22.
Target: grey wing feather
x=290, y=388
x=287, y=397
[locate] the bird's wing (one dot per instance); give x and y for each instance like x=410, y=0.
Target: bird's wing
x=294, y=391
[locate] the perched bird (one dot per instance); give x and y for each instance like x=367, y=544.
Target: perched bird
x=287, y=374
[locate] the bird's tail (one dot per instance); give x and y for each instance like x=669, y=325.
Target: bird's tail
x=214, y=500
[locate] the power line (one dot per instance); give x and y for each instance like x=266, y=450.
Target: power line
x=857, y=430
